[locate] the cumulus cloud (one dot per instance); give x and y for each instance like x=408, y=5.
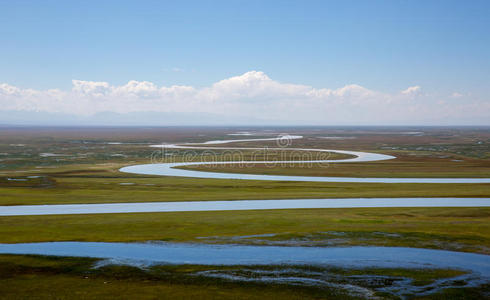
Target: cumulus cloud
x=92, y=88
x=412, y=90
x=250, y=94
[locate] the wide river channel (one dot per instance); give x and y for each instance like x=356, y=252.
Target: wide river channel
x=181, y=253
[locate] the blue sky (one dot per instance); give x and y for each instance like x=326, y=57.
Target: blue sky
x=384, y=46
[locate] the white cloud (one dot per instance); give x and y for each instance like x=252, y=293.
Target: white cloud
x=252, y=94
x=92, y=88
x=411, y=90
x=252, y=85
x=7, y=90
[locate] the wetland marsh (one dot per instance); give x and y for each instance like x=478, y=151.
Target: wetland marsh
x=30, y=177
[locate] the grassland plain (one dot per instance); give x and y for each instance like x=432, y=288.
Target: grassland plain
x=96, y=186
x=81, y=165
x=73, y=165
x=461, y=229
x=94, y=178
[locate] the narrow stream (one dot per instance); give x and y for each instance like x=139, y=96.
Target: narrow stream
x=107, y=208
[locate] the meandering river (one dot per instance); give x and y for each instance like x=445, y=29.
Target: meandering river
x=171, y=169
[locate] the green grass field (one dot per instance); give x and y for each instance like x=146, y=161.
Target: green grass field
x=103, y=188
x=461, y=229
x=104, y=184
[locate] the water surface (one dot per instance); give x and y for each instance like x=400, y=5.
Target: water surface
x=177, y=253
x=105, y=208
x=170, y=169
